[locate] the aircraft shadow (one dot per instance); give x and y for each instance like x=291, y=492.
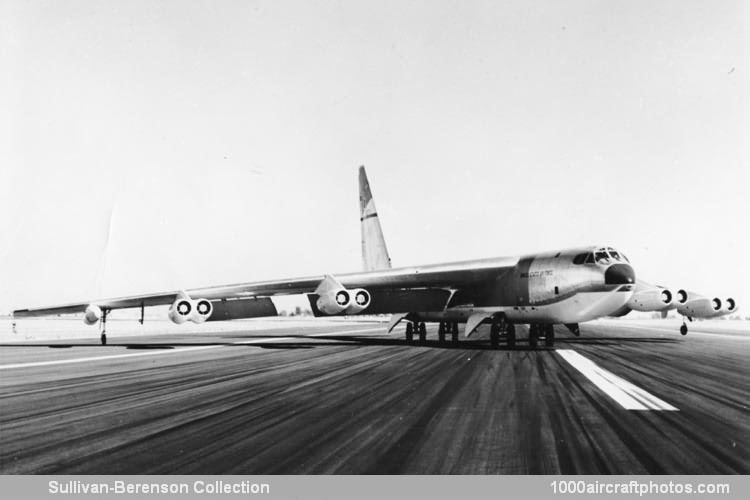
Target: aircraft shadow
x=306, y=342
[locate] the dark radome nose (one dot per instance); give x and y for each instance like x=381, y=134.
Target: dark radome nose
x=619, y=274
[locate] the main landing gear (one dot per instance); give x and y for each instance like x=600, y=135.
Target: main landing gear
x=500, y=330
x=537, y=332
x=444, y=328
x=448, y=328
x=416, y=327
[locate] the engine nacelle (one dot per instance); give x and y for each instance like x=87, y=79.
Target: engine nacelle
x=730, y=306
x=202, y=310
x=679, y=297
x=360, y=302
x=186, y=309
x=700, y=307
x=181, y=311
x=92, y=315
x=334, y=301
x=655, y=299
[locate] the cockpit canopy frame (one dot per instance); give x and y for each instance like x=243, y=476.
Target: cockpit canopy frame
x=602, y=255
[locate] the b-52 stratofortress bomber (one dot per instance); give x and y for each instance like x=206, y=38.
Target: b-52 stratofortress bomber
x=560, y=287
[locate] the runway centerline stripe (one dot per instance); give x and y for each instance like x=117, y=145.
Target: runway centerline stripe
x=175, y=351
x=627, y=395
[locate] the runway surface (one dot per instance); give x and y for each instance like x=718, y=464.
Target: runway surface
x=351, y=399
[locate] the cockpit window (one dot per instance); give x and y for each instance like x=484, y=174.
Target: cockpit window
x=601, y=256
x=614, y=253
x=590, y=258
x=578, y=259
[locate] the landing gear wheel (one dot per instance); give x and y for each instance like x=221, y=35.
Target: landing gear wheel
x=104, y=326
x=441, y=332
x=495, y=335
x=409, y=333
x=683, y=329
x=422, y=333
x=533, y=336
x=454, y=332
x=511, y=334
x=549, y=337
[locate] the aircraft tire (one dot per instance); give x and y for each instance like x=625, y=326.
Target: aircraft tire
x=549, y=337
x=422, y=333
x=533, y=336
x=409, y=333
x=104, y=339
x=511, y=335
x=684, y=329
x=454, y=332
x=441, y=332
x=495, y=335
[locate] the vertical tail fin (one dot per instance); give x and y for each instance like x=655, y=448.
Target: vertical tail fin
x=374, y=252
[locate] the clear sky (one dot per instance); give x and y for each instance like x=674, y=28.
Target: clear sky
x=150, y=146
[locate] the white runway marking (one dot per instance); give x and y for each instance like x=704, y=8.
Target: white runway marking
x=174, y=351
x=629, y=396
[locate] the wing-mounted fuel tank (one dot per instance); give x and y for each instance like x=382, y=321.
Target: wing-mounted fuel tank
x=331, y=298
x=186, y=309
x=92, y=314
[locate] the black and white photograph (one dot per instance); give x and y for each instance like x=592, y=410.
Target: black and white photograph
x=449, y=238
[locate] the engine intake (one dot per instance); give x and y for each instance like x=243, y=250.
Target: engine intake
x=334, y=301
x=701, y=307
x=202, y=311
x=361, y=300
x=729, y=306
x=181, y=311
x=92, y=315
x=186, y=309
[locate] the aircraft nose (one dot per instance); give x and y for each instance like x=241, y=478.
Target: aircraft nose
x=619, y=274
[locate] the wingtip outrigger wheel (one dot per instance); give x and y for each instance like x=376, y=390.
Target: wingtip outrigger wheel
x=684, y=329
x=104, y=326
